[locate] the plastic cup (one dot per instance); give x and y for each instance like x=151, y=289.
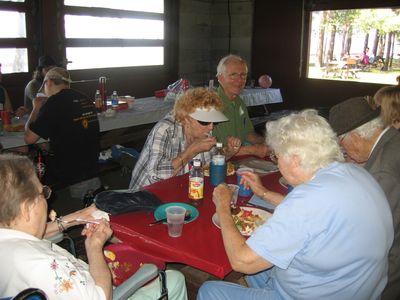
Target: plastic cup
x=235, y=193
x=175, y=220
x=243, y=191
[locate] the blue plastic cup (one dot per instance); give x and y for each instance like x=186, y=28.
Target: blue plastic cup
x=243, y=191
x=217, y=173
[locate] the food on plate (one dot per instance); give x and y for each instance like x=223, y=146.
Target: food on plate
x=247, y=221
x=230, y=169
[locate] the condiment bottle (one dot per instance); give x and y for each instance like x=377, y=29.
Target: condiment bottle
x=98, y=102
x=196, y=183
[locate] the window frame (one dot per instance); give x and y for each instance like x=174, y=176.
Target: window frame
x=107, y=12
x=320, y=5
x=30, y=42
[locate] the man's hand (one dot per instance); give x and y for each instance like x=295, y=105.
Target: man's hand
x=233, y=145
x=260, y=150
x=20, y=111
x=38, y=102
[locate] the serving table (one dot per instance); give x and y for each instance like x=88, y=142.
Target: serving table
x=200, y=245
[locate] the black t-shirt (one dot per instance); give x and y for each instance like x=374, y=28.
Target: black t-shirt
x=69, y=120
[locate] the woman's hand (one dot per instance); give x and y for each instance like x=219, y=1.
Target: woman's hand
x=202, y=145
x=84, y=214
x=97, y=234
x=222, y=197
x=253, y=180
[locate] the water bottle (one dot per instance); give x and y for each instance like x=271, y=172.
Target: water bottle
x=114, y=100
x=103, y=92
x=98, y=102
x=196, y=183
x=218, y=166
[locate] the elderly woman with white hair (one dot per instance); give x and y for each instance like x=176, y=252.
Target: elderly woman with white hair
x=184, y=134
x=328, y=239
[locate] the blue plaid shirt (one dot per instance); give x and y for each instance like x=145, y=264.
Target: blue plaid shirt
x=164, y=143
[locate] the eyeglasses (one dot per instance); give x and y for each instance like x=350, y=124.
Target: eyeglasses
x=273, y=157
x=46, y=192
x=235, y=76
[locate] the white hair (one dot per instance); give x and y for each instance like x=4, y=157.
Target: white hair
x=366, y=130
x=306, y=135
x=223, y=62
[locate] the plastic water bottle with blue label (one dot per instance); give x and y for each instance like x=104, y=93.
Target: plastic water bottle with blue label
x=114, y=100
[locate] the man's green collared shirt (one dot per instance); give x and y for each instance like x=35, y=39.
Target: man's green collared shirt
x=239, y=124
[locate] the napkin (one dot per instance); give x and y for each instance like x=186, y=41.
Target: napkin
x=255, y=200
x=258, y=165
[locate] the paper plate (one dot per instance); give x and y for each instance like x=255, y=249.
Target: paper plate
x=159, y=213
x=263, y=214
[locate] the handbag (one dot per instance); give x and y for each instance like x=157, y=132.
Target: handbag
x=116, y=203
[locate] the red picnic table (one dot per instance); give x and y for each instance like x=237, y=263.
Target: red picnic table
x=200, y=245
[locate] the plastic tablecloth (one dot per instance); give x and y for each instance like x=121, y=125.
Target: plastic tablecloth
x=200, y=245
x=260, y=96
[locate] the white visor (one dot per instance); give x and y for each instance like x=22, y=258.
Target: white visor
x=209, y=114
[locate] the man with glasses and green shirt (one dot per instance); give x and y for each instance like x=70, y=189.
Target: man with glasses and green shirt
x=232, y=74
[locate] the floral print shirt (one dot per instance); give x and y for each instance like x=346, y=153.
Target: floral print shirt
x=27, y=261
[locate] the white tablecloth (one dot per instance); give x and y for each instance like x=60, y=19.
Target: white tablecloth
x=145, y=111
x=149, y=110
x=259, y=96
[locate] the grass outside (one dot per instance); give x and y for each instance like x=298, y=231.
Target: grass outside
x=371, y=75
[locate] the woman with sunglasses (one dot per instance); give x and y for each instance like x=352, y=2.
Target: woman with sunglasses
x=184, y=134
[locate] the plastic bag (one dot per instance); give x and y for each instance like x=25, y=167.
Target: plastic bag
x=176, y=88
x=116, y=203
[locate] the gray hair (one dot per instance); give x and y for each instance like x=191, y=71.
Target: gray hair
x=306, y=135
x=223, y=62
x=366, y=130
x=18, y=184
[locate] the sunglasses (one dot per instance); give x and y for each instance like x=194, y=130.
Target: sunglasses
x=202, y=123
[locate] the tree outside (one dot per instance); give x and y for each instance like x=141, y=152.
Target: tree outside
x=358, y=45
